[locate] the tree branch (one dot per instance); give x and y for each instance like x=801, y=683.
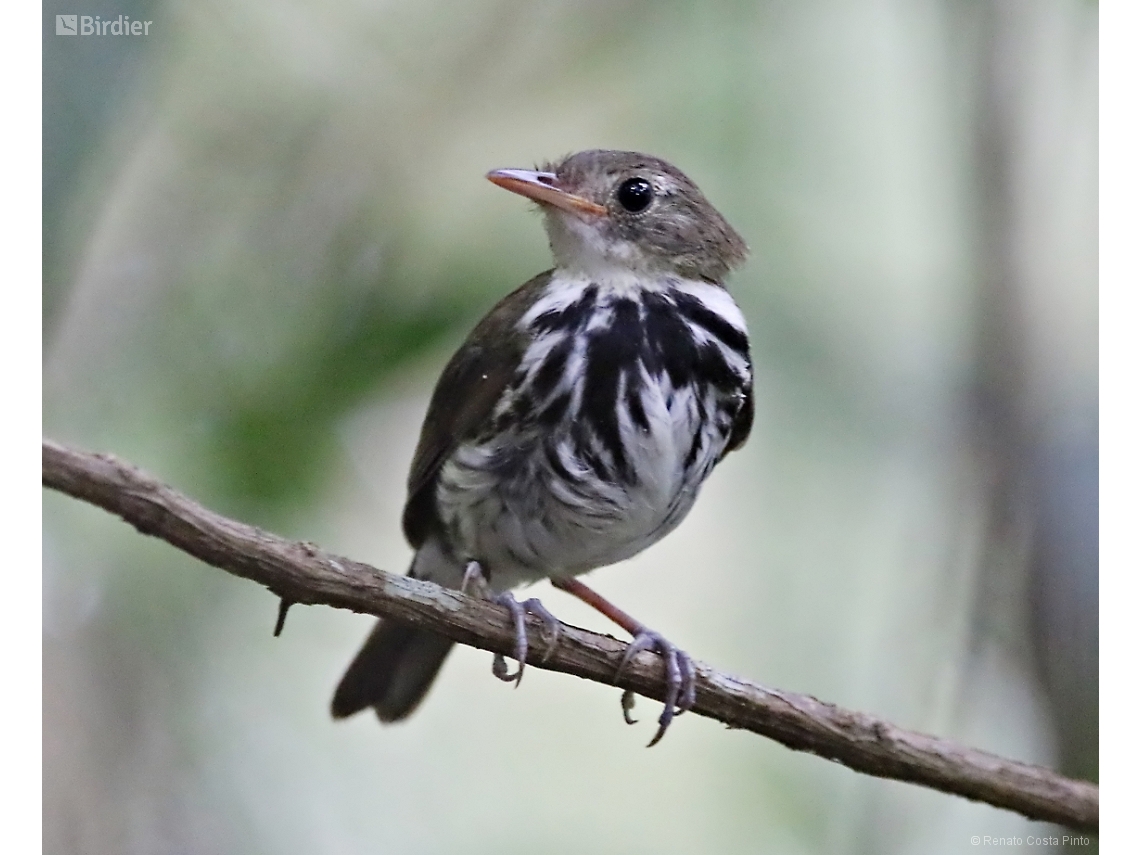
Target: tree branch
x=303, y=573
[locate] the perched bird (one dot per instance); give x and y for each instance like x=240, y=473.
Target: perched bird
x=575, y=425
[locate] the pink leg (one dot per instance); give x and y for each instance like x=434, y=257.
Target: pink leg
x=680, y=675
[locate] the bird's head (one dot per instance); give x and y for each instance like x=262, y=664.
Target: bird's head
x=628, y=212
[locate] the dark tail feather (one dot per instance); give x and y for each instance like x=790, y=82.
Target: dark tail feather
x=392, y=672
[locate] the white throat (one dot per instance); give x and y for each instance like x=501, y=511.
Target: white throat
x=580, y=247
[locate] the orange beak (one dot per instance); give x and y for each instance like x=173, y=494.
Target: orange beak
x=541, y=187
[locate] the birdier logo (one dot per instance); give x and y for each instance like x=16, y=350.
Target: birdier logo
x=93, y=25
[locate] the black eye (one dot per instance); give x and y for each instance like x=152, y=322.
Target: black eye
x=635, y=194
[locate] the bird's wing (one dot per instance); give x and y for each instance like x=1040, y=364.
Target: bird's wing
x=742, y=423
x=464, y=399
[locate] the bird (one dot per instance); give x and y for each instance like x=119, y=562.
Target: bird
x=575, y=425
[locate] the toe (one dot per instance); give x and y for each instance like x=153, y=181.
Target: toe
x=680, y=678
x=551, y=626
x=688, y=682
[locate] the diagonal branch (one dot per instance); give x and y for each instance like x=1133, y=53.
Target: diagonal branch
x=303, y=573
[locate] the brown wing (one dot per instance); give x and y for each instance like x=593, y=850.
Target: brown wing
x=464, y=399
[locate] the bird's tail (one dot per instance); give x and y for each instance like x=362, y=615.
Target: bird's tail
x=398, y=663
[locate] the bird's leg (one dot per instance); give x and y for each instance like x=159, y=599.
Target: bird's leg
x=680, y=675
x=474, y=577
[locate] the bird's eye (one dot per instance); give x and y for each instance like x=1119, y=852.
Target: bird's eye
x=635, y=194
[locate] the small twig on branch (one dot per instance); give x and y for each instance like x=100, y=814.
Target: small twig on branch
x=302, y=573
x=282, y=610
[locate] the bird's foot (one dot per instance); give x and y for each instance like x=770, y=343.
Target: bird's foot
x=551, y=631
x=552, y=627
x=680, y=679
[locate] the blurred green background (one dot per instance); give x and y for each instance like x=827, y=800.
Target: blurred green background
x=266, y=228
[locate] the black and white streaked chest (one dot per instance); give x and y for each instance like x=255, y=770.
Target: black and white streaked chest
x=624, y=399
x=627, y=355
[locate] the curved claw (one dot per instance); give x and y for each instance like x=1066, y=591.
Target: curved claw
x=628, y=699
x=518, y=615
x=551, y=626
x=473, y=577
x=688, y=682
x=501, y=670
x=680, y=678
x=552, y=633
